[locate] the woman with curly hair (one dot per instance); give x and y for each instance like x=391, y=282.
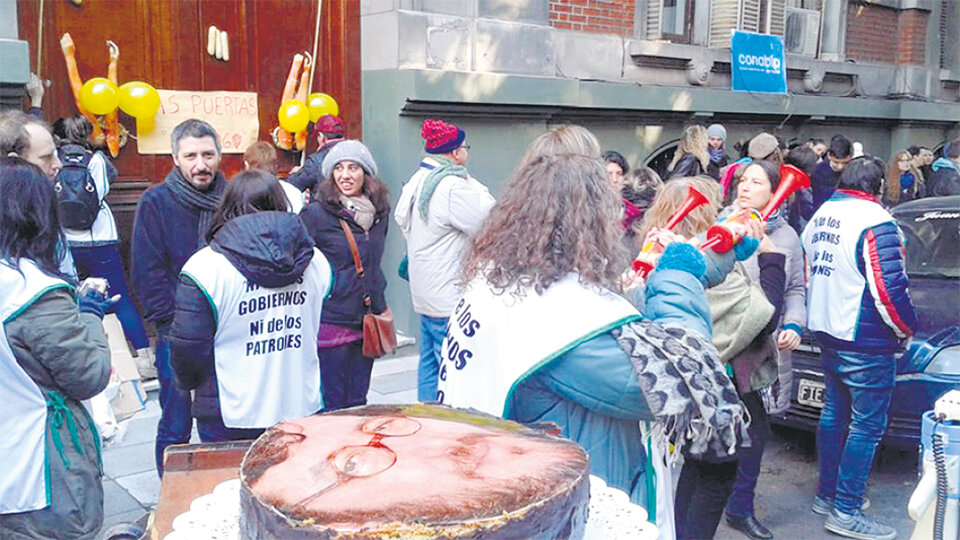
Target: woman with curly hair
x=542, y=335
x=904, y=180
x=691, y=157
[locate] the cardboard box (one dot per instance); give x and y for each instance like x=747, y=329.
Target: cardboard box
x=130, y=398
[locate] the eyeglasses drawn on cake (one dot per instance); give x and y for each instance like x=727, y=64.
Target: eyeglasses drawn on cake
x=360, y=461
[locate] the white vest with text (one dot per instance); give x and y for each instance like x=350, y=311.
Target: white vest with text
x=494, y=341
x=835, y=284
x=23, y=422
x=265, y=347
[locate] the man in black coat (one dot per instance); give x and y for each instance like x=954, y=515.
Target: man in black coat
x=170, y=224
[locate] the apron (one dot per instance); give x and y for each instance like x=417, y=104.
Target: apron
x=24, y=482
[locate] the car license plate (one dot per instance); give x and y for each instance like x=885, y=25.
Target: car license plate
x=810, y=393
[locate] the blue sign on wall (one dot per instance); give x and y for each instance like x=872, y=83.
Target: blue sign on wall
x=757, y=63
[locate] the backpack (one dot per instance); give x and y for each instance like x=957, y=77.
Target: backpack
x=76, y=192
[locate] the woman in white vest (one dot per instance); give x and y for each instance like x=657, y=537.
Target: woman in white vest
x=52, y=355
x=247, y=314
x=534, y=337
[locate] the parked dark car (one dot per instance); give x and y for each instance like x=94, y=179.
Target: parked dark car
x=928, y=365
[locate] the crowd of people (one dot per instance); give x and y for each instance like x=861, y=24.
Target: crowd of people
x=529, y=307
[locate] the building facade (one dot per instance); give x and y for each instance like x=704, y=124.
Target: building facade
x=635, y=72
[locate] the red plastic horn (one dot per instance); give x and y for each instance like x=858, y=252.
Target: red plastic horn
x=721, y=237
x=791, y=180
x=646, y=260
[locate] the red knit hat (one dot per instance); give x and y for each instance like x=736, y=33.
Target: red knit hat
x=331, y=126
x=441, y=137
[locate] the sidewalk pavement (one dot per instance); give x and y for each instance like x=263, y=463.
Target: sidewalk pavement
x=130, y=482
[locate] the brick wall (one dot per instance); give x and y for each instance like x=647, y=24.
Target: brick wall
x=870, y=29
x=913, y=31
x=880, y=34
x=596, y=16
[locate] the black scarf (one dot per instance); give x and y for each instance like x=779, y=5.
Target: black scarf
x=204, y=203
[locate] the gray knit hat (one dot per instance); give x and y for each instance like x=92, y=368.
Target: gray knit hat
x=717, y=130
x=348, y=150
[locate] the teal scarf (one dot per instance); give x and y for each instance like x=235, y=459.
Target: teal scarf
x=430, y=183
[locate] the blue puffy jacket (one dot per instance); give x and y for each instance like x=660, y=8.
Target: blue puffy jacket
x=593, y=394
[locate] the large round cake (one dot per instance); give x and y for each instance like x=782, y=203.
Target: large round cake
x=412, y=471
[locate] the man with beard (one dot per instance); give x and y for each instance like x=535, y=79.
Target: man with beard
x=170, y=224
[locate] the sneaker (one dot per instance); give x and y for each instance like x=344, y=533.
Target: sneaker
x=145, y=363
x=822, y=507
x=858, y=526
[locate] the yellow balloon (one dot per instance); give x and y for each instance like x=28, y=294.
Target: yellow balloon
x=321, y=104
x=139, y=99
x=99, y=96
x=293, y=116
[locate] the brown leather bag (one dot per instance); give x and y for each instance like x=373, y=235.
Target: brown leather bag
x=379, y=334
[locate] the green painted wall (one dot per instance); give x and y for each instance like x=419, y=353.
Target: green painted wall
x=503, y=114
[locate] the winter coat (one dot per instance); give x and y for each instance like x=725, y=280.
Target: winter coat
x=309, y=175
x=862, y=288
x=688, y=165
x=164, y=237
x=945, y=178
x=592, y=392
x=823, y=182
x=714, y=167
x=345, y=306
x=435, y=245
x=271, y=249
x=66, y=352
x=795, y=293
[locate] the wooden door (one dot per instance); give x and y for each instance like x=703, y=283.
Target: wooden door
x=163, y=42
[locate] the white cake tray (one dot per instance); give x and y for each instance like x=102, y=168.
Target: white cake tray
x=216, y=516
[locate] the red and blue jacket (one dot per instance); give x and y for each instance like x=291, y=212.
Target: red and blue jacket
x=857, y=296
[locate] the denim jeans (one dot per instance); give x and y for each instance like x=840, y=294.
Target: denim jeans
x=212, y=430
x=105, y=262
x=344, y=375
x=857, y=397
x=432, y=332
x=748, y=471
x=175, y=418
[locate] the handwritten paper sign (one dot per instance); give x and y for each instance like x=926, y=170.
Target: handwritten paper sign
x=232, y=114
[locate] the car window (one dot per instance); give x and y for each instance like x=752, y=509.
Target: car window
x=933, y=243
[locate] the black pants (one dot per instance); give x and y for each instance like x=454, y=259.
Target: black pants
x=705, y=486
x=344, y=375
x=702, y=492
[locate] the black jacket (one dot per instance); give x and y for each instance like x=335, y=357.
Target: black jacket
x=714, y=167
x=688, y=165
x=271, y=249
x=310, y=174
x=345, y=305
x=164, y=237
x=943, y=181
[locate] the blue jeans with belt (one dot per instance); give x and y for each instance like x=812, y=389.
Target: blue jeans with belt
x=857, y=397
x=432, y=332
x=176, y=420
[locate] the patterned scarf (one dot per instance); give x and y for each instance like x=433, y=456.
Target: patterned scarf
x=430, y=183
x=204, y=203
x=362, y=209
x=686, y=387
x=716, y=156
